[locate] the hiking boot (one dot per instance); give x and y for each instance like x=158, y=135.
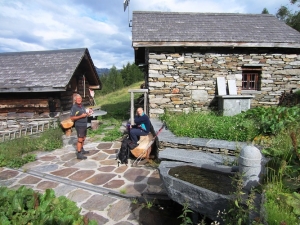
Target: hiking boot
x=84, y=151
x=80, y=155
x=133, y=145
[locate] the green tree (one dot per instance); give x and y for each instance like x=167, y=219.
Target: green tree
x=290, y=18
x=294, y=1
x=125, y=73
x=131, y=73
x=111, y=81
x=265, y=11
x=115, y=79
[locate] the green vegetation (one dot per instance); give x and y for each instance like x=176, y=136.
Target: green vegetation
x=185, y=219
x=240, y=207
x=211, y=125
x=148, y=204
x=20, y=150
x=25, y=206
x=288, y=16
x=242, y=127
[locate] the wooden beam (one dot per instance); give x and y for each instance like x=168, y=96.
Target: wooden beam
x=137, y=44
x=32, y=89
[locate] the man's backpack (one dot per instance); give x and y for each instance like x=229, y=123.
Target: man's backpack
x=124, y=151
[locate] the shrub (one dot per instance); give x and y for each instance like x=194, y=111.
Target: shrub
x=24, y=206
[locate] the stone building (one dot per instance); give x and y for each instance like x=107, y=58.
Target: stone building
x=183, y=54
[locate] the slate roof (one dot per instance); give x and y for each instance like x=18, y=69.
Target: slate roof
x=211, y=29
x=42, y=71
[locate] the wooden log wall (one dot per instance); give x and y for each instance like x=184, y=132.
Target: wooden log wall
x=37, y=103
x=44, y=103
x=27, y=102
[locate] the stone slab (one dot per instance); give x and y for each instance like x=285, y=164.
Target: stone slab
x=193, y=156
x=232, y=87
x=221, y=85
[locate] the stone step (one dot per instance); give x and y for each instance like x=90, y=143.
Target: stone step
x=194, y=156
x=168, y=137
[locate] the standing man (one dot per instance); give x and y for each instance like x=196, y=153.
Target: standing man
x=79, y=116
x=141, y=127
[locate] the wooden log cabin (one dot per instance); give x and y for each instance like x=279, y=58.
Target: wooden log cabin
x=44, y=82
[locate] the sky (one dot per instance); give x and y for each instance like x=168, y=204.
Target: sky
x=102, y=26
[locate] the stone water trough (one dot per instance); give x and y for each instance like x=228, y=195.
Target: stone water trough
x=202, y=198
x=199, y=199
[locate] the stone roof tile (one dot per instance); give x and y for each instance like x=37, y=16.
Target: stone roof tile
x=43, y=70
x=210, y=27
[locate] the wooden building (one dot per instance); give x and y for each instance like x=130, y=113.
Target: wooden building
x=183, y=54
x=41, y=82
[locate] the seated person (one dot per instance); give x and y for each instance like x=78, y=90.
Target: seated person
x=141, y=127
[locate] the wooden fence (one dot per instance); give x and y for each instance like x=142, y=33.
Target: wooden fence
x=33, y=128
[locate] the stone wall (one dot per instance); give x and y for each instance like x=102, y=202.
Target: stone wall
x=181, y=79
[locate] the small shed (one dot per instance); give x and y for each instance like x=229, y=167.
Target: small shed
x=44, y=82
x=183, y=54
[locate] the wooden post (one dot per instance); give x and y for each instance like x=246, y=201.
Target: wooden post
x=132, y=109
x=132, y=91
x=145, y=103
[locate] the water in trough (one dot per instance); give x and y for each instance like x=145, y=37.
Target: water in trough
x=204, y=178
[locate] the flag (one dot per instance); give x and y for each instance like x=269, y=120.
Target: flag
x=126, y=3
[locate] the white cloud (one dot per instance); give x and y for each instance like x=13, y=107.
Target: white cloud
x=101, y=26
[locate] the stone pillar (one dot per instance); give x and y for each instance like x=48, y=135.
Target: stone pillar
x=250, y=166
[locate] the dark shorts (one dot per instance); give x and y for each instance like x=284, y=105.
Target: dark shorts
x=81, y=131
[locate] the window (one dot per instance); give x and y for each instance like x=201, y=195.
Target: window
x=251, y=78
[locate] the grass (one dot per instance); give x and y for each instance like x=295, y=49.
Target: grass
x=117, y=104
x=20, y=150
x=211, y=125
x=123, y=191
x=278, y=212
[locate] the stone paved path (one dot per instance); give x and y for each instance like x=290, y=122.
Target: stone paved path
x=104, y=191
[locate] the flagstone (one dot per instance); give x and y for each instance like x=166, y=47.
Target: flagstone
x=82, y=175
x=100, y=179
x=7, y=174
x=30, y=180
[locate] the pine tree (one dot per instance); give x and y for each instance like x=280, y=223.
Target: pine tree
x=290, y=18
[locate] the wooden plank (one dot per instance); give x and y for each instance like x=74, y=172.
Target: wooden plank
x=141, y=151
